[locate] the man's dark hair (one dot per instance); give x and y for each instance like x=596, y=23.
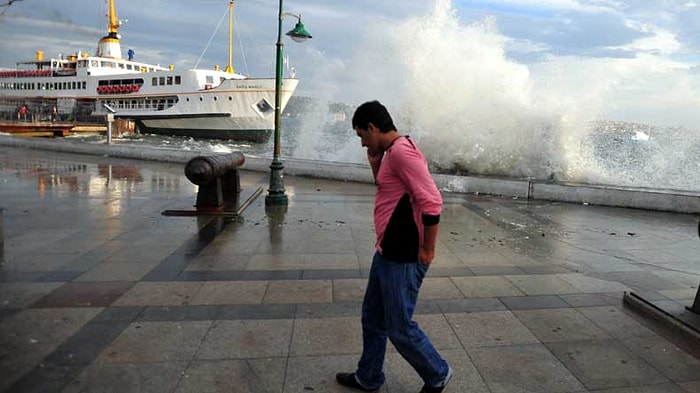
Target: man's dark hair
x=373, y=112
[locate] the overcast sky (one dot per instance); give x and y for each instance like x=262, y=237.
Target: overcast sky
x=656, y=42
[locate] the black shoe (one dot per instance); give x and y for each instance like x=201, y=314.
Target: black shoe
x=439, y=389
x=349, y=380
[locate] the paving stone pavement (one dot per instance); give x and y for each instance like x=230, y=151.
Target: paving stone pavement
x=100, y=292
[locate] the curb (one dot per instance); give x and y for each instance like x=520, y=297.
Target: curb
x=678, y=326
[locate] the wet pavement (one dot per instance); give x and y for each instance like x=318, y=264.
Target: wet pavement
x=100, y=292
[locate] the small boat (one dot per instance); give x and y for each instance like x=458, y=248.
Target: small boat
x=201, y=103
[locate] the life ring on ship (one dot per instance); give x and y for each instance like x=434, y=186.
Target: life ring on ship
x=99, y=89
x=136, y=88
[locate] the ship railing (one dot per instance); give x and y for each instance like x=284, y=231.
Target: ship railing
x=118, y=89
x=25, y=73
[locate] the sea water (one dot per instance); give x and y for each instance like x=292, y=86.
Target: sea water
x=474, y=110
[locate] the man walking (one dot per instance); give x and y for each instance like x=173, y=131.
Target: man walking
x=406, y=216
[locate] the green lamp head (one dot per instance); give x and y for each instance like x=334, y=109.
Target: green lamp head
x=299, y=33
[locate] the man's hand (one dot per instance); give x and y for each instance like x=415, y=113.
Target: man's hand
x=375, y=160
x=426, y=255
x=374, y=155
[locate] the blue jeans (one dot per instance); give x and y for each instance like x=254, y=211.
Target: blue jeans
x=387, y=312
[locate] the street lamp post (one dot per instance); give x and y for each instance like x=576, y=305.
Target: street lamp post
x=275, y=194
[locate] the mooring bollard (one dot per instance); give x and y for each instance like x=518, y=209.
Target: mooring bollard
x=217, y=177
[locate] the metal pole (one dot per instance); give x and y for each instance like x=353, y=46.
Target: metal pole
x=276, y=195
x=696, y=304
x=2, y=240
x=110, y=119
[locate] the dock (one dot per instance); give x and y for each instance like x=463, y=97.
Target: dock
x=62, y=129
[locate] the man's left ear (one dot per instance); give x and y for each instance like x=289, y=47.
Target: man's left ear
x=371, y=128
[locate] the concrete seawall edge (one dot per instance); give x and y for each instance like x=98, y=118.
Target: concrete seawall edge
x=651, y=199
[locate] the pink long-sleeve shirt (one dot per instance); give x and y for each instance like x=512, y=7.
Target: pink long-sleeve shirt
x=407, y=200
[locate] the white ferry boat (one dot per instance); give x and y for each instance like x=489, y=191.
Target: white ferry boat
x=199, y=103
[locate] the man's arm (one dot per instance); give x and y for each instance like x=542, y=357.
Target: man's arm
x=413, y=171
x=426, y=252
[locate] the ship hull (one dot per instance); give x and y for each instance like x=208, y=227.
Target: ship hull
x=213, y=126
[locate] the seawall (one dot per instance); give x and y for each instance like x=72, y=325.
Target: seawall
x=582, y=193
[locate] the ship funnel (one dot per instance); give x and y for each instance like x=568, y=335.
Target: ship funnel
x=39, y=55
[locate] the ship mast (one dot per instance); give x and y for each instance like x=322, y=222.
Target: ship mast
x=229, y=67
x=113, y=21
x=108, y=46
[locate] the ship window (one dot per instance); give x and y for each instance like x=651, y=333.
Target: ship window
x=121, y=65
x=178, y=80
x=129, y=67
x=94, y=63
x=210, y=79
x=84, y=85
x=73, y=86
x=154, y=81
x=262, y=107
x=161, y=80
x=215, y=98
x=170, y=80
x=230, y=98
